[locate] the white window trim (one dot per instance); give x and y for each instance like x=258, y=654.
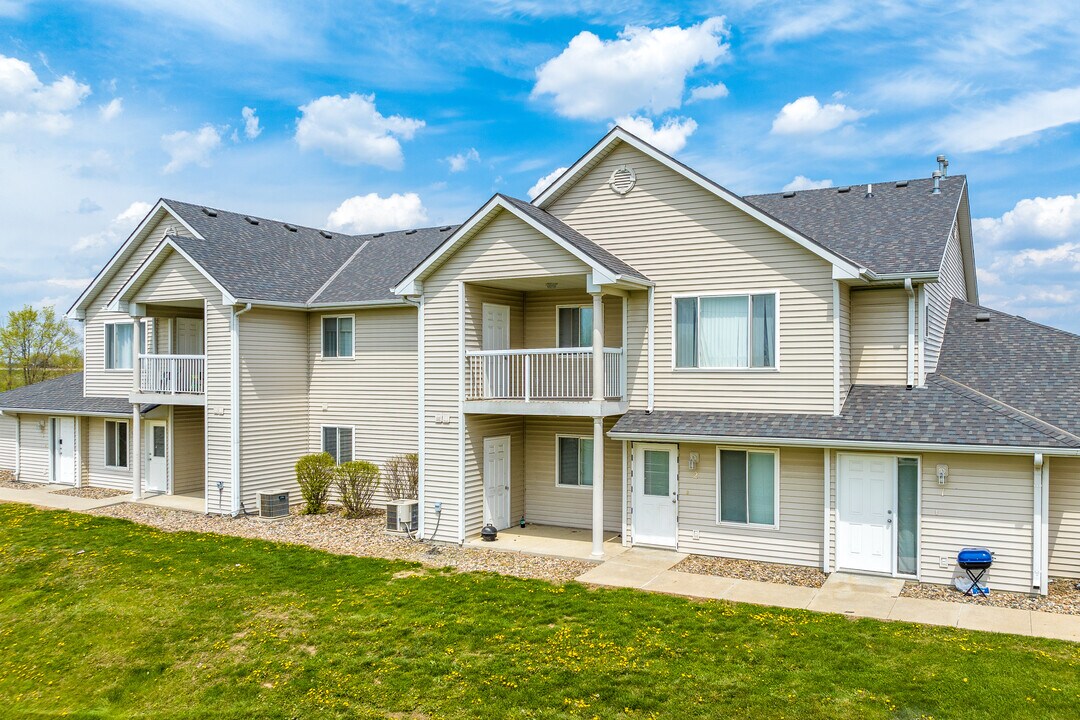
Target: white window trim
x=726, y=293
x=105, y=444
x=558, y=484
x=105, y=344
x=338, y=426
x=337, y=358
x=587, y=346
x=776, y=488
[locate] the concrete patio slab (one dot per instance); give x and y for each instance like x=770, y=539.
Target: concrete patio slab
x=551, y=541
x=762, y=593
x=846, y=582
x=691, y=585
x=995, y=619
x=190, y=503
x=616, y=574
x=927, y=612
x=650, y=557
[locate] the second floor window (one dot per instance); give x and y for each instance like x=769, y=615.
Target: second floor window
x=726, y=331
x=338, y=441
x=575, y=326
x=337, y=336
x=116, y=444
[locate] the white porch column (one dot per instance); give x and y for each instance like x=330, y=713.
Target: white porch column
x=136, y=415
x=598, y=488
x=598, y=347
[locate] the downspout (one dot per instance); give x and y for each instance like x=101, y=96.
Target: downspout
x=234, y=417
x=651, y=345
x=910, y=333
x=923, y=334
x=827, y=496
x=1037, y=549
x=421, y=411
x=836, y=348
x=18, y=447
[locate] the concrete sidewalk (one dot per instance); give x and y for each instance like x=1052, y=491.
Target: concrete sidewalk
x=45, y=497
x=852, y=595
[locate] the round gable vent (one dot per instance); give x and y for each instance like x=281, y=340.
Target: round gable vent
x=622, y=180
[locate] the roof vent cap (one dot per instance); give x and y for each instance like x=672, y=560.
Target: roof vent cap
x=209, y=213
x=251, y=220
x=943, y=165
x=622, y=179
x=410, y=232
x=902, y=183
x=325, y=234
x=846, y=188
x=290, y=228
x=982, y=317
x=444, y=229
x=937, y=182
x=789, y=194
x=869, y=190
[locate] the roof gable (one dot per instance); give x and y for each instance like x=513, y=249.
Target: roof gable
x=169, y=249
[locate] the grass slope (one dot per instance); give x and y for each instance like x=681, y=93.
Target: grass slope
x=104, y=618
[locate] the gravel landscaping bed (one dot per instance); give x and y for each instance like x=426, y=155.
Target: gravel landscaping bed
x=1062, y=597
x=753, y=570
x=7, y=480
x=92, y=493
x=363, y=537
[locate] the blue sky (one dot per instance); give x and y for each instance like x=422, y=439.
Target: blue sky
x=414, y=112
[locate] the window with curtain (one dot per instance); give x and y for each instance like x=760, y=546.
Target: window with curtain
x=118, y=339
x=116, y=443
x=338, y=442
x=574, y=463
x=725, y=331
x=575, y=326
x=747, y=487
x=337, y=336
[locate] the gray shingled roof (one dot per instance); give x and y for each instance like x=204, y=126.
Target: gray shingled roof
x=64, y=394
x=267, y=261
x=898, y=230
x=1032, y=367
x=572, y=236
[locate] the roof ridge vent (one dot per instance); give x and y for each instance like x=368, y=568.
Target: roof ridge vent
x=209, y=212
x=290, y=228
x=789, y=194
x=325, y=234
x=844, y=189
x=253, y=221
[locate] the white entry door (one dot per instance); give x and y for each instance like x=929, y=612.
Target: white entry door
x=865, y=513
x=157, y=470
x=497, y=481
x=656, y=494
x=63, y=450
x=496, y=336
x=189, y=336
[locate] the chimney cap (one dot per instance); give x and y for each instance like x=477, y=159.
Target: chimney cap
x=936, y=174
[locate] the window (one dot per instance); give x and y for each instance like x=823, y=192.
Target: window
x=338, y=441
x=116, y=443
x=747, y=487
x=726, y=331
x=907, y=515
x=574, y=462
x=118, y=339
x=337, y=336
x=575, y=326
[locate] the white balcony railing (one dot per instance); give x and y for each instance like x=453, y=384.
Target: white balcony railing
x=544, y=374
x=172, y=374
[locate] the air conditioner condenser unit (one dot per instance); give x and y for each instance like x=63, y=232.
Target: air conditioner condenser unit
x=400, y=513
x=272, y=504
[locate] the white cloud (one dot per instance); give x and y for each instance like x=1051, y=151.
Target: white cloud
x=540, y=185
x=350, y=130
x=670, y=137
x=807, y=116
x=644, y=69
x=374, y=213
x=88, y=206
x=801, y=182
x=918, y=88
x=25, y=101
x=460, y=161
x=708, y=92
x=190, y=148
x=1055, y=218
x=251, y=123
x=118, y=228
x=1014, y=120
x=111, y=110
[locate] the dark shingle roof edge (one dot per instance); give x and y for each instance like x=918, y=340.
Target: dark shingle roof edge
x=63, y=395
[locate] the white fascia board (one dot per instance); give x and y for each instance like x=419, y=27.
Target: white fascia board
x=394, y=302
x=64, y=413
x=120, y=297
x=619, y=134
x=78, y=309
x=845, y=444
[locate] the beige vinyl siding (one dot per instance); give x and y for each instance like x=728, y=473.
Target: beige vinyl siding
x=8, y=424
x=1064, y=521
x=163, y=335
x=479, y=427
x=688, y=241
x=83, y=431
x=798, y=539
x=939, y=296
x=375, y=392
x=476, y=296
x=116, y=383
x=549, y=504
x=189, y=450
x=505, y=248
x=879, y=334
x=541, y=310
x=34, y=453
x=101, y=476
x=845, y=342
x=986, y=502
x=174, y=279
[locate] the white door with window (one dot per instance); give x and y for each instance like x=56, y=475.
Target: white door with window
x=865, y=513
x=63, y=450
x=157, y=470
x=656, y=494
x=189, y=336
x=497, y=481
x=495, y=335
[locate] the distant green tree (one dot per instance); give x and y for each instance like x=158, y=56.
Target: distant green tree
x=36, y=345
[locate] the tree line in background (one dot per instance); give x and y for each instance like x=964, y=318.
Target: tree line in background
x=37, y=345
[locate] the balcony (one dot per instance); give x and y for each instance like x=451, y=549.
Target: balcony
x=557, y=380
x=182, y=378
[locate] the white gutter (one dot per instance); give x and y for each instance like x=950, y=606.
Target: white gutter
x=395, y=302
x=910, y=332
x=825, y=549
x=833, y=443
x=1037, y=548
x=651, y=346
x=234, y=410
x=421, y=406
x=54, y=411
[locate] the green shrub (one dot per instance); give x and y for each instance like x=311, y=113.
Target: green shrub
x=356, y=482
x=402, y=474
x=315, y=473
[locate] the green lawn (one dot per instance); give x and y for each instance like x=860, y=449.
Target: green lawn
x=104, y=618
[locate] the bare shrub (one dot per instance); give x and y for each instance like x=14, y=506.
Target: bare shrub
x=314, y=473
x=401, y=474
x=357, y=482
